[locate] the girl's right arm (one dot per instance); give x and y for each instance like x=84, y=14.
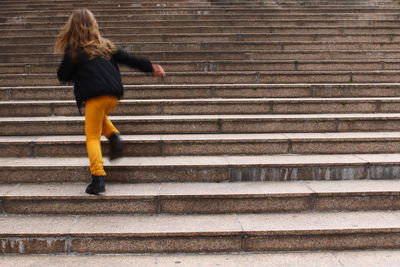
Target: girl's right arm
x=140, y=63
x=143, y=64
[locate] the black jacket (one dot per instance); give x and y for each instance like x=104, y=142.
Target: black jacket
x=98, y=76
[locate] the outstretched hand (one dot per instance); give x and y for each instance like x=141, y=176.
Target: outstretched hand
x=158, y=71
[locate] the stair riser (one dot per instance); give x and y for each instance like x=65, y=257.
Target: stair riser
x=220, y=55
x=193, y=205
x=160, y=126
x=202, y=11
x=198, y=108
x=226, y=66
x=223, y=78
x=202, y=17
x=50, y=68
x=227, y=242
x=224, y=37
x=152, y=5
x=233, y=23
x=177, y=2
x=195, y=148
x=45, y=245
x=210, y=91
x=164, y=174
x=197, y=47
x=213, y=30
x=132, y=6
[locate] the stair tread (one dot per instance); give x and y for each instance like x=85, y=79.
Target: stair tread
x=219, y=100
x=202, y=225
x=211, y=117
x=221, y=85
x=211, y=161
x=273, y=259
x=350, y=136
x=242, y=190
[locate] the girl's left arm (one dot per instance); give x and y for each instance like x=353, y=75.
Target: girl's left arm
x=66, y=69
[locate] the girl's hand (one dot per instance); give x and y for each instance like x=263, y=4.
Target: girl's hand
x=158, y=71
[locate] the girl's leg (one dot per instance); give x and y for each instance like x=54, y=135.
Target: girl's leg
x=108, y=127
x=96, y=123
x=94, y=116
x=109, y=131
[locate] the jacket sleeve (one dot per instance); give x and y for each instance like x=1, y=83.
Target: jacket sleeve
x=66, y=69
x=123, y=57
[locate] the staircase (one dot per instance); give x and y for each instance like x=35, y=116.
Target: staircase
x=277, y=129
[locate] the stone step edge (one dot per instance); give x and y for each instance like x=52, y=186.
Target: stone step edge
x=199, y=233
x=56, y=56
x=387, y=257
x=370, y=22
x=200, y=198
x=221, y=85
x=207, y=145
x=206, y=169
x=182, y=91
x=238, y=190
x=170, y=35
x=367, y=27
x=219, y=161
x=189, y=6
x=244, y=225
x=127, y=44
x=335, y=8
x=216, y=119
x=227, y=53
x=209, y=138
x=302, y=100
x=215, y=73
x=213, y=17
x=197, y=124
x=224, y=61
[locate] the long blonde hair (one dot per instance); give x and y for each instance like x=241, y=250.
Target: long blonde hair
x=81, y=32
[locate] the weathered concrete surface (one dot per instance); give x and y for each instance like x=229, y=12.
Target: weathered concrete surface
x=372, y=258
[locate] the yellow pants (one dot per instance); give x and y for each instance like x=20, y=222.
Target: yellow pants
x=96, y=124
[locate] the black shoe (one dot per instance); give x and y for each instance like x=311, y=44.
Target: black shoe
x=116, y=146
x=96, y=186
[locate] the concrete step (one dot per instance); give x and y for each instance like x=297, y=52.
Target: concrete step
x=287, y=167
x=227, y=65
x=249, y=77
x=212, y=56
x=200, y=198
x=208, y=144
x=200, y=233
x=208, y=10
x=195, y=47
x=204, y=16
x=210, y=22
x=218, y=2
x=153, y=8
x=221, y=37
x=129, y=5
x=176, y=4
x=207, y=124
x=163, y=91
x=216, y=29
x=210, y=106
x=387, y=257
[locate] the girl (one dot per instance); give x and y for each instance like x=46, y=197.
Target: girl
x=91, y=63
